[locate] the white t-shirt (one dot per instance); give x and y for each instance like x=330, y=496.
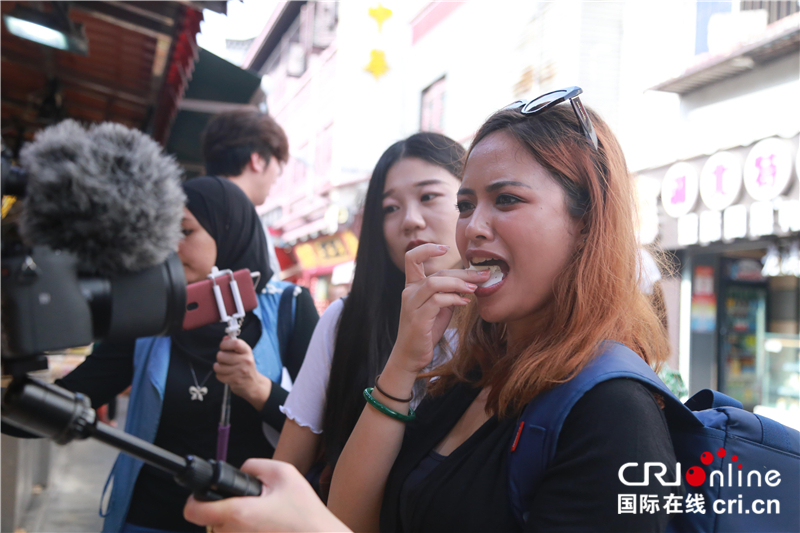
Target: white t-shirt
x=306, y=402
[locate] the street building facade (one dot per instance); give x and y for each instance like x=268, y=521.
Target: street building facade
x=709, y=124
x=348, y=79
x=724, y=198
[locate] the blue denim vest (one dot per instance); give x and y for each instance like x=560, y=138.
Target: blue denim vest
x=150, y=365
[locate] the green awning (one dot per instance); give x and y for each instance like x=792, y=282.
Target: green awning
x=216, y=85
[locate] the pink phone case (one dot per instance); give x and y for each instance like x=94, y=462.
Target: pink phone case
x=201, y=306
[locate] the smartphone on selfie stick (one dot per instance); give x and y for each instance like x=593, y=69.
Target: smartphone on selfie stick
x=201, y=303
x=224, y=297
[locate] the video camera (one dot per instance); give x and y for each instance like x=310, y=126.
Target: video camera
x=51, y=303
x=90, y=256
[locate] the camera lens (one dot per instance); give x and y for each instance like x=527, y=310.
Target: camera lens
x=148, y=303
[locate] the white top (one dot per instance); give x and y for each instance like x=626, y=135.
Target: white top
x=306, y=402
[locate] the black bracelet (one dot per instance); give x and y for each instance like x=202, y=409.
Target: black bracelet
x=407, y=400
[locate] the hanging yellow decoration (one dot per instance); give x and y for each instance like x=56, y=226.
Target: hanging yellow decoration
x=377, y=64
x=380, y=14
x=8, y=201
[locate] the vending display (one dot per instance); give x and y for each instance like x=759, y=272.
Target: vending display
x=743, y=326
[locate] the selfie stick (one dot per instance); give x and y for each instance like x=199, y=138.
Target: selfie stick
x=50, y=411
x=234, y=328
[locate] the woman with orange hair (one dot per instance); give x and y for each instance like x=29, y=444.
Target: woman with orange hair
x=547, y=200
x=549, y=256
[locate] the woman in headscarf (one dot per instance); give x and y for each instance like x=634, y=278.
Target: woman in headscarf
x=177, y=382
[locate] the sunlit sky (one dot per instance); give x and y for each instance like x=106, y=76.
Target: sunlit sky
x=245, y=20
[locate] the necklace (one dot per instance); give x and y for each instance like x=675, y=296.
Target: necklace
x=197, y=391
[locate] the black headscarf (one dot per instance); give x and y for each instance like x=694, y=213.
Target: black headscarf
x=229, y=216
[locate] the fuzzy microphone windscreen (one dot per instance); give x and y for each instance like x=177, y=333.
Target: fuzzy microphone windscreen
x=110, y=195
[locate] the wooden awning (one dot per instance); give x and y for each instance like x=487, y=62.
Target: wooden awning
x=141, y=58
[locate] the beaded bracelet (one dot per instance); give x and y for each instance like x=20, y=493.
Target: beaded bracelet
x=401, y=400
x=385, y=410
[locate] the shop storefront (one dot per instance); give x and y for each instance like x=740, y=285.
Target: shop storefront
x=326, y=266
x=733, y=221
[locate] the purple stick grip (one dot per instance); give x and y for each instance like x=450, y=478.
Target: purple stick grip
x=222, y=442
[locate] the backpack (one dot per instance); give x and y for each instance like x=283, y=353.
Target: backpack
x=287, y=307
x=286, y=310
x=731, y=461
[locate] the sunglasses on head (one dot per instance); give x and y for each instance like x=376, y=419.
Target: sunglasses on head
x=542, y=103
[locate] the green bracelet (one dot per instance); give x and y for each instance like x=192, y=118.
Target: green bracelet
x=385, y=410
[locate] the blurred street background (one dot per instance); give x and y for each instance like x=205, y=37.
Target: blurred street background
x=703, y=96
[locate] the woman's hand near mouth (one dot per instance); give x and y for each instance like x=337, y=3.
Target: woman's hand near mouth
x=427, y=307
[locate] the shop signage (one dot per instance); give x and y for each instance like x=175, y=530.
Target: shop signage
x=680, y=189
x=734, y=222
x=789, y=215
x=327, y=251
x=721, y=181
x=710, y=226
x=762, y=219
x=768, y=169
x=688, y=229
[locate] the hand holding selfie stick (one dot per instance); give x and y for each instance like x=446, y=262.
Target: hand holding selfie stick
x=49, y=411
x=234, y=328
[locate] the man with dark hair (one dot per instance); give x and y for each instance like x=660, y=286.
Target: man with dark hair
x=249, y=148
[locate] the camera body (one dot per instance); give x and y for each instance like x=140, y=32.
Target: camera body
x=49, y=304
x=43, y=306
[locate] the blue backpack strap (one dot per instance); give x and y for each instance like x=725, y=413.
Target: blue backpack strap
x=534, y=443
x=286, y=310
x=774, y=434
x=710, y=399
